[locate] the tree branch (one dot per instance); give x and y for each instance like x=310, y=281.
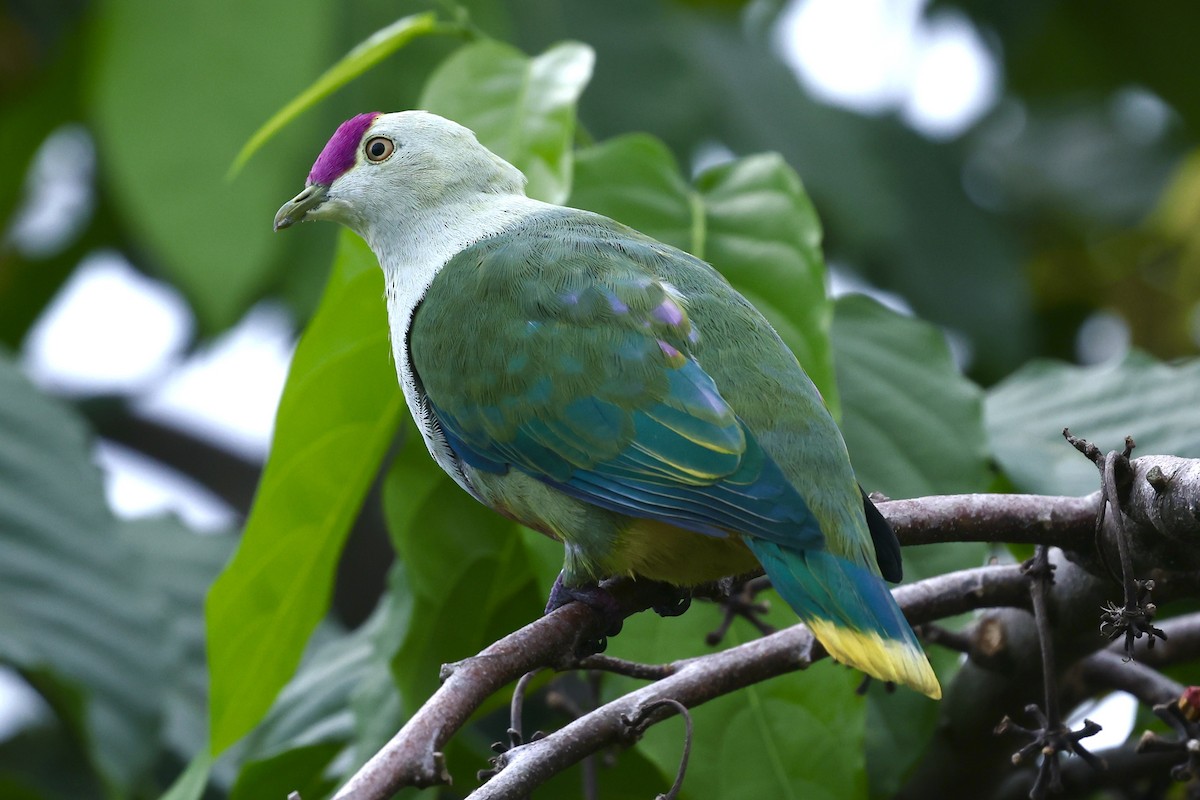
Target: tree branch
x=1065, y=522
x=413, y=757
x=1111, y=671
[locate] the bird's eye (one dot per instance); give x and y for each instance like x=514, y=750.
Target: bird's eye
x=378, y=148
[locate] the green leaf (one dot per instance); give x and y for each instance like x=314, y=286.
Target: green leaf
x=762, y=233
x=46, y=762
x=310, y=723
x=180, y=565
x=635, y=180
x=912, y=422
x=340, y=410
x=1155, y=403
x=797, y=736
x=340, y=708
x=363, y=57
x=192, y=781
x=77, y=615
x=300, y=769
x=173, y=90
x=521, y=108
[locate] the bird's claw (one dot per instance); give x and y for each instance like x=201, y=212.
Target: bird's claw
x=595, y=597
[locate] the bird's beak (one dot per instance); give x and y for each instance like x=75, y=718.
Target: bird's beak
x=297, y=208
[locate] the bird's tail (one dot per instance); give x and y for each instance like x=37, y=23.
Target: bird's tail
x=850, y=610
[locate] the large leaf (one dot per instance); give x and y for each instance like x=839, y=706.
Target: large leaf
x=762, y=232
x=316, y=729
x=522, y=108
x=180, y=566
x=912, y=422
x=340, y=409
x=635, y=180
x=1153, y=402
x=77, y=615
x=363, y=57
x=750, y=219
x=175, y=89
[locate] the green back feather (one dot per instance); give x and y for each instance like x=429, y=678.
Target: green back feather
x=568, y=316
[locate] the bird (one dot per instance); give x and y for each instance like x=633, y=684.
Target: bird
x=608, y=390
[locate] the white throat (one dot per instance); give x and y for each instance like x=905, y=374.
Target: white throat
x=412, y=253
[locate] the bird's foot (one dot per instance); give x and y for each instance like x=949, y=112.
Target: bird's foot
x=676, y=600
x=742, y=602
x=598, y=599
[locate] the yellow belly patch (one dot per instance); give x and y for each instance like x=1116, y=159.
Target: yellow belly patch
x=664, y=552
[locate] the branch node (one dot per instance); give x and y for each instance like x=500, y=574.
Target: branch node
x=932, y=633
x=1158, y=479
x=1129, y=446
x=1084, y=446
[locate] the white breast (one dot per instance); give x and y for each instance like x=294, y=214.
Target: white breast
x=411, y=257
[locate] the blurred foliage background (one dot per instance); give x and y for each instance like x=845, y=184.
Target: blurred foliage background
x=1062, y=224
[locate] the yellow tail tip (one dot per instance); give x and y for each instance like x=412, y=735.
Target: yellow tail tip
x=885, y=659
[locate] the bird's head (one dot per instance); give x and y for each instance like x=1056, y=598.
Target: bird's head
x=380, y=167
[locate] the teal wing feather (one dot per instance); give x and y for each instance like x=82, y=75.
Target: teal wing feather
x=582, y=375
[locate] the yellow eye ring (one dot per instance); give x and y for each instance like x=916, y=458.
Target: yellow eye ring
x=379, y=148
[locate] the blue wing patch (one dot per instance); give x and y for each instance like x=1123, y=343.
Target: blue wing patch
x=689, y=461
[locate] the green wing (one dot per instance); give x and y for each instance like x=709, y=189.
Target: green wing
x=558, y=349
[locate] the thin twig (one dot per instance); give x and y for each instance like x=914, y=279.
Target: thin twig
x=942, y=636
x=518, y=702
x=1118, y=517
x=682, y=710
x=1041, y=576
x=1051, y=737
x=630, y=669
x=1136, y=616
